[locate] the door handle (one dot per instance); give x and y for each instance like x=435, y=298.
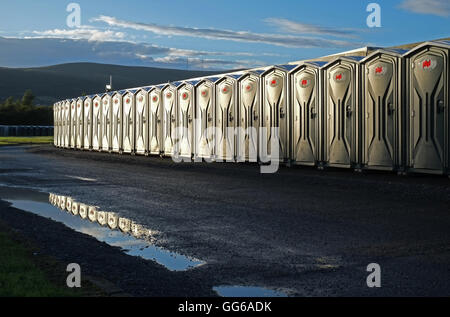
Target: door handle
x=349, y=110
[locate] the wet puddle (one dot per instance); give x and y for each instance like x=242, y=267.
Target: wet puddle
x=246, y=291
x=133, y=238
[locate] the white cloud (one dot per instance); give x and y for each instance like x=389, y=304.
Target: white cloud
x=298, y=27
x=217, y=34
x=83, y=32
x=15, y=53
x=434, y=7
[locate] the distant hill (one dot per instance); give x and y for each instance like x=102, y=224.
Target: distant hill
x=53, y=83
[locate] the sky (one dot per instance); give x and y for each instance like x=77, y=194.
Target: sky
x=213, y=35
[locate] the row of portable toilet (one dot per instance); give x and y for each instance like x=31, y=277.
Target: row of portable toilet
x=25, y=130
x=388, y=110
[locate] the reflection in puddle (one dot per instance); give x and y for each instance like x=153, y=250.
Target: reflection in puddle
x=107, y=227
x=246, y=291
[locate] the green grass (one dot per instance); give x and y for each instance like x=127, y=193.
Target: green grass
x=17, y=140
x=21, y=276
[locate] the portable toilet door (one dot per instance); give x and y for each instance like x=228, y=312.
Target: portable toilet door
x=141, y=129
x=106, y=122
x=54, y=125
x=186, y=104
x=67, y=122
x=275, y=113
x=61, y=123
x=128, y=121
x=249, y=114
x=73, y=123
x=80, y=118
x=116, y=128
x=306, y=114
x=97, y=123
x=87, y=122
x=155, y=122
x=382, y=109
x=204, y=119
x=427, y=108
x=169, y=119
x=225, y=134
x=341, y=112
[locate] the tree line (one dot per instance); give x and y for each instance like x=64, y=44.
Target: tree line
x=22, y=111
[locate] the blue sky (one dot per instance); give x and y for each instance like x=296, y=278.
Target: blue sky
x=208, y=34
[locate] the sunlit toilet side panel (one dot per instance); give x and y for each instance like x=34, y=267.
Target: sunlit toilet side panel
x=97, y=123
x=87, y=122
x=116, y=127
x=142, y=122
x=155, y=118
x=382, y=111
x=204, y=120
x=106, y=122
x=305, y=116
x=73, y=123
x=67, y=124
x=248, y=118
x=169, y=120
x=428, y=148
x=186, y=98
x=225, y=119
x=341, y=113
x=80, y=124
x=128, y=123
x=275, y=113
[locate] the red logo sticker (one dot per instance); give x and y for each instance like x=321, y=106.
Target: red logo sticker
x=78, y=105
x=155, y=98
x=204, y=93
x=339, y=76
x=225, y=90
x=96, y=104
x=248, y=87
x=304, y=82
x=273, y=82
x=184, y=96
x=141, y=98
x=105, y=102
x=426, y=63
x=116, y=101
x=127, y=101
x=169, y=95
x=379, y=70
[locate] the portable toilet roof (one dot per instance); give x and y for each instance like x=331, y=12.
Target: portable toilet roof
x=193, y=82
x=356, y=59
x=235, y=76
x=443, y=44
x=317, y=64
x=393, y=51
x=287, y=67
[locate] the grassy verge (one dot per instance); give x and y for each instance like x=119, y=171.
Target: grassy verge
x=25, y=274
x=16, y=140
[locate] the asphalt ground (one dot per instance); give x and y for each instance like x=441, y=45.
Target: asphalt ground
x=300, y=231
